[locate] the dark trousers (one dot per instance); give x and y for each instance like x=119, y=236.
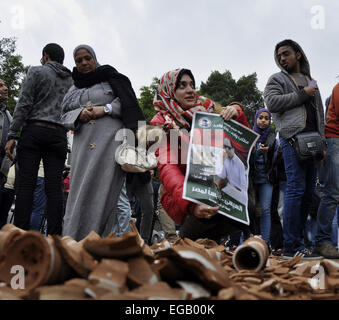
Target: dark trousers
x=214, y=228
x=39, y=205
x=276, y=237
x=50, y=145
x=6, y=200
x=144, y=195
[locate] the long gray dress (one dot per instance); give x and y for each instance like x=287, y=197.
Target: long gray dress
x=96, y=179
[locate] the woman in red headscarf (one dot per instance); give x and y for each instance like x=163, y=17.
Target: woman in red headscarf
x=176, y=101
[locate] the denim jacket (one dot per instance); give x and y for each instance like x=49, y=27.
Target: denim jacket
x=261, y=163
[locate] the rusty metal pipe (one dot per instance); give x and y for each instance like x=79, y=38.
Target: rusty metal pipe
x=251, y=255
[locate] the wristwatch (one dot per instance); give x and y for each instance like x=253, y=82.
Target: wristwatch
x=108, y=108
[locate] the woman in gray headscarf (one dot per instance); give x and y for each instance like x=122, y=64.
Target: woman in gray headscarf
x=100, y=102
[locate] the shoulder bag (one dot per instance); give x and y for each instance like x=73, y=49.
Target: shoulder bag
x=308, y=146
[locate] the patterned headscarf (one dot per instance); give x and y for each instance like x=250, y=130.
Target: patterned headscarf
x=263, y=132
x=166, y=103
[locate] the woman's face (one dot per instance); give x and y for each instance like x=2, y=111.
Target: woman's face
x=185, y=93
x=84, y=61
x=263, y=120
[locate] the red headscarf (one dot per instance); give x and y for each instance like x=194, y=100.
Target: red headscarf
x=166, y=103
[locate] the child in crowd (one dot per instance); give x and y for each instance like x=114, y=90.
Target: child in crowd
x=262, y=163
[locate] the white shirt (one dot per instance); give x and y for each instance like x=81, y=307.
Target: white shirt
x=235, y=172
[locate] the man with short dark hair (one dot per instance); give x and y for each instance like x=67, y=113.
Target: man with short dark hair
x=38, y=113
x=293, y=98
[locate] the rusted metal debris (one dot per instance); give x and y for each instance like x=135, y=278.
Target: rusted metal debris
x=120, y=268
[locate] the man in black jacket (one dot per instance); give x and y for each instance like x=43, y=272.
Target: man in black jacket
x=38, y=113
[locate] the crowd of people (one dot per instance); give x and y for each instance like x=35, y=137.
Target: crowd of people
x=95, y=102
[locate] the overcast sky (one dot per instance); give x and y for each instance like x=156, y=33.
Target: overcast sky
x=146, y=38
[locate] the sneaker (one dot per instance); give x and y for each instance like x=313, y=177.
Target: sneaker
x=327, y=251
x=305, y=254
x=277, y=252
x=234, y=247
x=288, y=255
x=230, y=246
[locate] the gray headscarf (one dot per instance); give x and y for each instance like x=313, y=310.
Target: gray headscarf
x=90, y=51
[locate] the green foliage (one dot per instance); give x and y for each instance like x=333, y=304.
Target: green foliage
x=273, y=128
x=12, y=70
x=146, y=99
x=222, y=88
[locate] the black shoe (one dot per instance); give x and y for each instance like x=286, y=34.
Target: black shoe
x=277, y=252
x=305, y=254
x=327, y=251
x=288, y=255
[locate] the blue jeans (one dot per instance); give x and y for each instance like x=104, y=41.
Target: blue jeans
x=335, y=229
x=311, y=230
x=39, y=205
x=123, y=214
x=330, y=198
x=265, y=196
x=300, y=186
x=282, y=188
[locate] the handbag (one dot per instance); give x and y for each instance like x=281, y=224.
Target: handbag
x=133, y=159
x=308, y=146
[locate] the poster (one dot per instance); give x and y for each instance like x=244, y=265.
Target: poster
x=217, y=165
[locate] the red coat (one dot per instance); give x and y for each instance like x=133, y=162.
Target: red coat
x=172, y=175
